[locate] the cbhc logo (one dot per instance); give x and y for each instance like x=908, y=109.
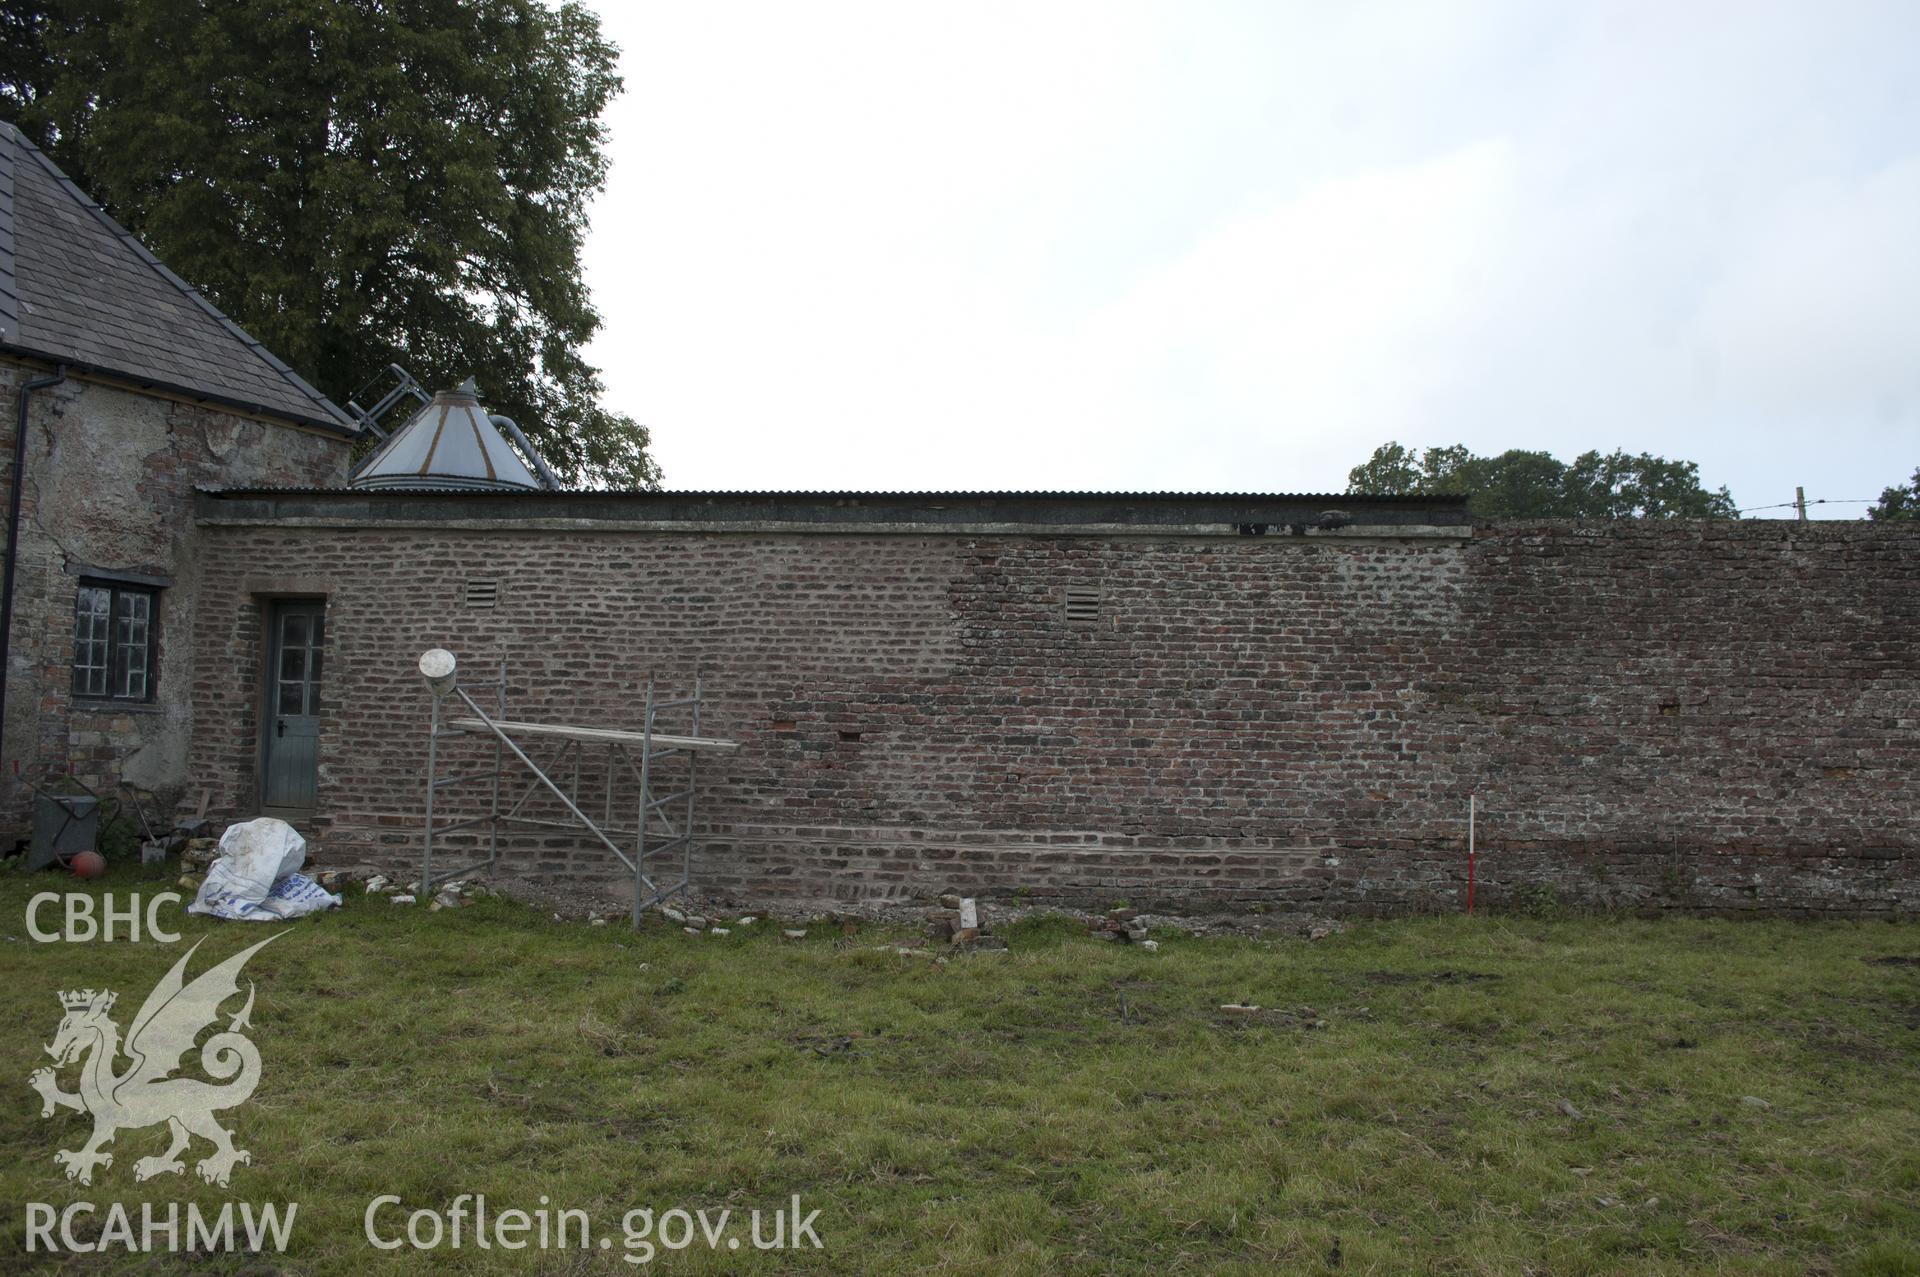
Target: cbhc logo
x=82, y=923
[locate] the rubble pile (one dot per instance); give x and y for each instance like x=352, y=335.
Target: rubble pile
x=1123, y=926
x=448, y=895
x=959, y=924
x=695, y=924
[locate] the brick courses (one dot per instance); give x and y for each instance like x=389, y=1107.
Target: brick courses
x=1719, y=716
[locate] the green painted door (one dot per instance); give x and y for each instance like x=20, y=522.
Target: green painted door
x=297, y=637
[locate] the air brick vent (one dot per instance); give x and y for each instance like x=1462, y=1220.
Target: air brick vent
x=483, y=593
x=1082, y=604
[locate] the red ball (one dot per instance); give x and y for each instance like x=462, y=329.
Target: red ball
x=88, y=864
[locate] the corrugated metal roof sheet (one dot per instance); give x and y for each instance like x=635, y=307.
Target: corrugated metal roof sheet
x=801, y=494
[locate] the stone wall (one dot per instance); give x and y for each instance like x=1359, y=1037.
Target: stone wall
x=110, y=480
x=1715, y=716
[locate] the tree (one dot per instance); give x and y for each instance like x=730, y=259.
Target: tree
x=355, y=182
x=1901, y=502
x=1519, y=484
x=1620, y=486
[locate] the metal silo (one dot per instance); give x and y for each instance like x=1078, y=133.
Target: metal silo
x=453, y=442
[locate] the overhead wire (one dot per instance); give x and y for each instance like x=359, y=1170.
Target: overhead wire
x=1785, y=505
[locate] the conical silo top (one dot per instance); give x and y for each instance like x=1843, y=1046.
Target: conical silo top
x=449, y=443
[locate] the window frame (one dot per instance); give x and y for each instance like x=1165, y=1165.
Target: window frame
x=115, y=667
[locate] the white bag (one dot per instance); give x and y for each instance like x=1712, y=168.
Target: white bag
x=252, y=877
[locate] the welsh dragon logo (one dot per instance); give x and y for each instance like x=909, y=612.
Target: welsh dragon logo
x=144, y=1094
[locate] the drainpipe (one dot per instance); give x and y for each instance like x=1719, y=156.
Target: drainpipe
x=539, y=464
x=13, y=540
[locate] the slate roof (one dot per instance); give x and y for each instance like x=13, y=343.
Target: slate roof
x=76, y=288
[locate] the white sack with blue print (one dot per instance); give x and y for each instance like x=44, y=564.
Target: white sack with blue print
x=255, y=876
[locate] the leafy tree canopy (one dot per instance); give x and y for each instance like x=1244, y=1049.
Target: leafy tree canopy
x=356, y=182
x=1518, y=484
x=1901, y=502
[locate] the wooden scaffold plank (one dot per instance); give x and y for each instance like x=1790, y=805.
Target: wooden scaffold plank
x=601, y=735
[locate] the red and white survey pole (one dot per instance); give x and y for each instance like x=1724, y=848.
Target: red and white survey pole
x=1473, y=810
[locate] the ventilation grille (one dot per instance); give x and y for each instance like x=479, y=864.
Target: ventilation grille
x=483, y=593
x=1082, y=604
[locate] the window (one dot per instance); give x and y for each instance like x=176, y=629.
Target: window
x=113, y=641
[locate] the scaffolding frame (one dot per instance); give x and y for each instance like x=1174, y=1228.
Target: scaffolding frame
x=662, y=824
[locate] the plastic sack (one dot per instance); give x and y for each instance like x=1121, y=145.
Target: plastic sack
x=253, y=877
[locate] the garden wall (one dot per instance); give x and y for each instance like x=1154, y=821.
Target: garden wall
x=1653, y=714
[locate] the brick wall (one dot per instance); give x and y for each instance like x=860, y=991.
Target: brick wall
x=1715, y=716
x=109, y=489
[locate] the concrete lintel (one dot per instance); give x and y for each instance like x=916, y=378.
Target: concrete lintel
x=288, y=586
x=89, y=571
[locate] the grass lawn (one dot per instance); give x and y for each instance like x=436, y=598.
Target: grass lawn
x=1495, y=1095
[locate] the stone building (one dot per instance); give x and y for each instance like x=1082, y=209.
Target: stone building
x=1154, y=697
x=125, y=389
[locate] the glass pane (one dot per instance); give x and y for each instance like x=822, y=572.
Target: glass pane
x=293, y=630
x=90, y=672
x=133, y=673
x=90, y=625
x=90, y=614
x=293, y=663
x=319, y=631
x=313, y=684
x=290, y=699
x=132, y=639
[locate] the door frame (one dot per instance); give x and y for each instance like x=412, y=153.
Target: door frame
x=263, y=693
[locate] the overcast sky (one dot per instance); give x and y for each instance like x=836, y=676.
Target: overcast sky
x=1207, y=247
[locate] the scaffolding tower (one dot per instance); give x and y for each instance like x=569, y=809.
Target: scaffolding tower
x=653, y=760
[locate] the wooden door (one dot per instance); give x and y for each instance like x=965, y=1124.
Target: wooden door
x=297, y=637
